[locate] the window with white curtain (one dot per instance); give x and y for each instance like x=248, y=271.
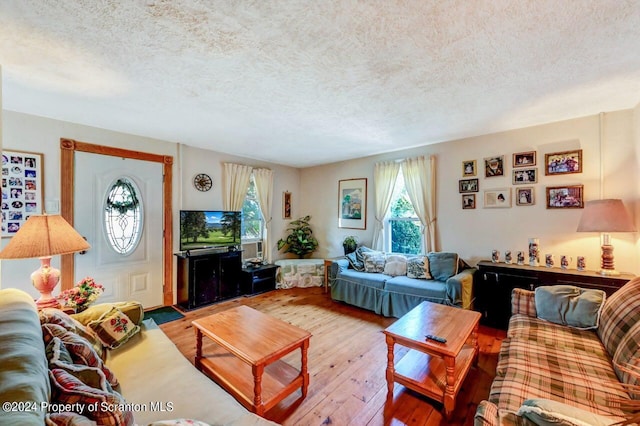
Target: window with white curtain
x=252, y=220
x=403, y=230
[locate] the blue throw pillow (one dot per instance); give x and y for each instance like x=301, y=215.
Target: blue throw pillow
x=546, y=412
x=443, y=265
x=569, y=305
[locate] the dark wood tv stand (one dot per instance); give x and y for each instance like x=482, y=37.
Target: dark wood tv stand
x=207, y=276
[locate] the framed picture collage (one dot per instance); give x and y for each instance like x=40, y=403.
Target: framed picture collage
x=22, y=191
x=524, y=175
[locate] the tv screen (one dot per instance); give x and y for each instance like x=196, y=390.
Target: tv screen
x=201, y=229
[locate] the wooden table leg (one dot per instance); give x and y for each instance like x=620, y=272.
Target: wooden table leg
x=474, y=343
x=449, y=397
x=198, y=347
x=257, y=389
x=303, y=368
x=327, y=266
x=390, y=367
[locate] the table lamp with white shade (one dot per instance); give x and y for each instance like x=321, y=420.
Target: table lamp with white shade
x=44, y=236
x=606, y=216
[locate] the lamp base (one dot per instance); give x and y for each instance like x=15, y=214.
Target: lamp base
x=607, y=263
x=45, y=279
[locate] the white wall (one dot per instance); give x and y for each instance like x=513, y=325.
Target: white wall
x=474, y=233
x=25, y=132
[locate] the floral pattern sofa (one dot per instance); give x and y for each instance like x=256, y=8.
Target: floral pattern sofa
x=392, y=284
x=55, y=370
x=552, y=373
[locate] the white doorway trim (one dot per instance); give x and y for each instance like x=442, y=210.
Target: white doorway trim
x=68, y=147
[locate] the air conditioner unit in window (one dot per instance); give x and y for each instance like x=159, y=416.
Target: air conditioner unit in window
x=252, y=250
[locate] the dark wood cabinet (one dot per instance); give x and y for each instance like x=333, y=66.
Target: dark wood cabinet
x=258, y=279
x=495, y=281
x=207, y=277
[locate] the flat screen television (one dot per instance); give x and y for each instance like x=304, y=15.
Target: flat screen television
x=202, y=229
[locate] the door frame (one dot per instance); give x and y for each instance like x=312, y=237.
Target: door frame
x=68, y=147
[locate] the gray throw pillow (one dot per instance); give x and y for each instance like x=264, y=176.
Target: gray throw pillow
x=569, y=305
x=374, y=262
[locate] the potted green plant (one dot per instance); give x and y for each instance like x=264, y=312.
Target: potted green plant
x=300, y=240
x=350, y=243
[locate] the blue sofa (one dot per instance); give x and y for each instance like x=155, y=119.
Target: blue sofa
x=394, y=296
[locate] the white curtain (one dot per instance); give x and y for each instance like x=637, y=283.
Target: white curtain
x=264, y=188
x=419, y=180
x=384, y=179
x=236, y=183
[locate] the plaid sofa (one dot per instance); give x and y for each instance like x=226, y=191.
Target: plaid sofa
x=587, y=371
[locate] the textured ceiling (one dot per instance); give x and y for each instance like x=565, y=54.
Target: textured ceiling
x=310, y=82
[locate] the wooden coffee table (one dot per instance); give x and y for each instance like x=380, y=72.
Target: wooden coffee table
x=433, y=369
x=246, y=357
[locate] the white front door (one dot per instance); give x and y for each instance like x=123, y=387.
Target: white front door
x=136, y=275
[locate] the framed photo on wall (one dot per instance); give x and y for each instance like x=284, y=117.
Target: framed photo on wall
x=524, y=159
x=525, y=196
x=22, y=190
x=565, y=197
x=497, y=198
x=469, y=168
x=468, y=201
x=494, y=166
x=352, y=203
x=525, y=176
x=561, y=163
x=468, y=185
x=286, y=205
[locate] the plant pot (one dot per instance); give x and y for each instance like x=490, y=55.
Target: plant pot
x=348, y=249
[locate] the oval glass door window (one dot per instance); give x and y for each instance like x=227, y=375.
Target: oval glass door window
x=123, y=216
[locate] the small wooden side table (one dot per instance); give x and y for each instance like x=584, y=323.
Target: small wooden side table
x=433, y=369
x=254, y=373
x=327, y=267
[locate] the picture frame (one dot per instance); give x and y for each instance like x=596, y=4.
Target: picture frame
x=565, y=197
x=494, y=166
x=497, y=198
x=468, y=185
x=22, y=189
x=525, y=196
x=469, y=168
x=286, y=205
x=524, y=159
x=562, y=163
x=524, y=176
x=352, y=203
x=468, y=201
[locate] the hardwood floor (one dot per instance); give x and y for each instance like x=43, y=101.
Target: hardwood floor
x=347, y=362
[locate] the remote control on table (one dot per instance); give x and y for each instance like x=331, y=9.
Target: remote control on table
x=436, y=338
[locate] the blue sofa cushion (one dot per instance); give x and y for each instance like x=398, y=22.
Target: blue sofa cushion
x=364, y=278
x=443, y=265
x=432, y=290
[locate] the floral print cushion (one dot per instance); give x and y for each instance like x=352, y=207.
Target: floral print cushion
x=114, y=328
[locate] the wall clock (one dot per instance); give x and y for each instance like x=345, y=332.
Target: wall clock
x=202, y=182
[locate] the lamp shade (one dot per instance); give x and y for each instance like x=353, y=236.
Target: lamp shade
x=44, y=236
x=605, y=216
